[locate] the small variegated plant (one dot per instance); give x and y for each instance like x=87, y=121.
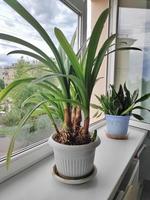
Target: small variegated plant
x=76, y=74
x=121, y=102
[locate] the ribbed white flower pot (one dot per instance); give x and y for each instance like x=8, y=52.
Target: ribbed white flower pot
x=74, y=160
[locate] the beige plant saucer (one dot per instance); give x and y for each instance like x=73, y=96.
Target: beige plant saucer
x=73, y=181
x=120, y=137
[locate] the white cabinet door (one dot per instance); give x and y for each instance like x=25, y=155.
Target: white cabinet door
x=130, y=185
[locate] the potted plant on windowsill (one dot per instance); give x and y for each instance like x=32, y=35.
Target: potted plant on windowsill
x=118, y=107
x=73, y=144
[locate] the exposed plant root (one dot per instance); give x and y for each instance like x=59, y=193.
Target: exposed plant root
x=77, y=138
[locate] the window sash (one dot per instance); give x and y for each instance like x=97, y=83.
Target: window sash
x=36, y=152
x=113, y=21
x=80, y=7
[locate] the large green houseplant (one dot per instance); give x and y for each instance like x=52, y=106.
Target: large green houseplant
x=118, y=107
x=70, y=102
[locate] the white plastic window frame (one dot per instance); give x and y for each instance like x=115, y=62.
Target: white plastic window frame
x=113, y=22
x=28, y=156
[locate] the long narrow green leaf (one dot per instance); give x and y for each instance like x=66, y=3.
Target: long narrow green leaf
x=48, y=76
x=128, y=110
x=95, y=114
x=36, y=56
x=52, y=90
x=82, y=48
x=99, y=99
x=30, y=99
x=53, y=86
x=100, y=58
x=83, y=61
x=10, y=150
x=76, y=81
x=12, y=85
x=63, y=83
x=71, y=101
x=82, y=91
x=135, y=95
x=92, y=47
x=24, y=43
x=40, y=67
x=141, y=108
x=73, y=39
x=123, y=49
x=63, y=55
x=51, y=117
x=127, y=92
x=143, y=98
x=69, y=51
x=139, y=117
x=95, y=106
x=59, y=76
x=114, y=93
x=22, y=122
x=26, y=117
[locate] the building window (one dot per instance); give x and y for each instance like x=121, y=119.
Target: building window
x=50, y=14
x=134, y=30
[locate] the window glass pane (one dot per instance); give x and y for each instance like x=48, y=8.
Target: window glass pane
x=50, y=13
x=133, y=66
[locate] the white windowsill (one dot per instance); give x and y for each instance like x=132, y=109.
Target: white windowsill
x=112, y=160
x=24, y=160
x=27, y=158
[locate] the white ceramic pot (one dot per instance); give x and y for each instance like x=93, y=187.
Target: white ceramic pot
x=117, y=125
x=74, y=160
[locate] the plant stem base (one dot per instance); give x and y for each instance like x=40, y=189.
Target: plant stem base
x=118, y=137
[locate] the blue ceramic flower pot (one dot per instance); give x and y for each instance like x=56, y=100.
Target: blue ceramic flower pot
x=117, y=125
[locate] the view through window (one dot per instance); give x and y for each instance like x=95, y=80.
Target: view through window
x=133, y=66
x=50, y=14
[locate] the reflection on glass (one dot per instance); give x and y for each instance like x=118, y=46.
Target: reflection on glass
x=132, y=66
x=50, y=14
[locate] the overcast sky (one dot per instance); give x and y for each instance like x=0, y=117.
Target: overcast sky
x=50, y=13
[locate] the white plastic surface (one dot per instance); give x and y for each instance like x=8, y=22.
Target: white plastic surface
x=112, y=160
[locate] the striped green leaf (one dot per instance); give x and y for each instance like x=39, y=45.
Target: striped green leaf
x=143, y=98
x=141, y=108
x=139, y=117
